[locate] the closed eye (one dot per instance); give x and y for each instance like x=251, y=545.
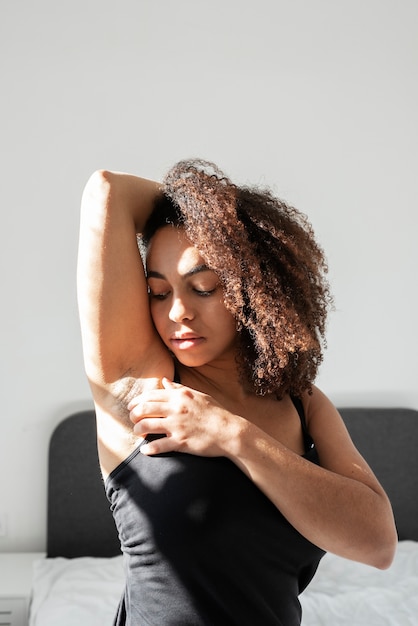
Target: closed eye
x=158, y=296
x=204, y=293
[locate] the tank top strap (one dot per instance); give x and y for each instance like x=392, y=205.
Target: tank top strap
x=176, y=375
x=308, y=441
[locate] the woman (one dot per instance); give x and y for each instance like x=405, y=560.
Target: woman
x=229, y=473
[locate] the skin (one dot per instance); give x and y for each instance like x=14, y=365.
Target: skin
x=129, y=339
x=186, y=302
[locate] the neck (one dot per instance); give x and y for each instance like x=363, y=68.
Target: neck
x=220, y=380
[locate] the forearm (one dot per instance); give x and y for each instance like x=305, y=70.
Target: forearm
x=339, y=506
x=338, y=513
x=106, y=191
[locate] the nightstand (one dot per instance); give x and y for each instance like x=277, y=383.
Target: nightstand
x=15, y=587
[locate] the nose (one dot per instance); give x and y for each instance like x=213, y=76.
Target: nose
x=180, y=310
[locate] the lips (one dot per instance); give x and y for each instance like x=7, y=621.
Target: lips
x=186, y=341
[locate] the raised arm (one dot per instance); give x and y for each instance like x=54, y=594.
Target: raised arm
x=120, y=343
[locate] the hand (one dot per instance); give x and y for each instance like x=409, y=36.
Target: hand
x=192, y=421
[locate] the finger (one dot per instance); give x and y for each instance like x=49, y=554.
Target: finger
x=169, y=384
x=147, y=396
x=145, y=426
x=159, y=446
x=133, y=402
x=149, y=409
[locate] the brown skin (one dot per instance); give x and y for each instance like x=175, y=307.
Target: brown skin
x=272, y=270
x=339, y=506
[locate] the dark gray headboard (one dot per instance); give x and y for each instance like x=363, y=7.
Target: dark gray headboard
x=388, y=440
x=79, y=519
x=80, y=522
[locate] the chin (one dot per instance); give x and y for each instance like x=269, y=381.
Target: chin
x=189, y=362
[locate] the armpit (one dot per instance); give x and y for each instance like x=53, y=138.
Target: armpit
x=127, y=388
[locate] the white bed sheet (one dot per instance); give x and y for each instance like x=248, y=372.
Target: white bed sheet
x=71, y=592
x=76, y=592
x=345, y=593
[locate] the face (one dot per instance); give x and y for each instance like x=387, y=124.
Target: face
x=186, y=301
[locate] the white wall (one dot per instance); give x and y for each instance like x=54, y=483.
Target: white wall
x=317, y=99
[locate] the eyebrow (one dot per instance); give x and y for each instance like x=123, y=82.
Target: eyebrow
x=194, y=270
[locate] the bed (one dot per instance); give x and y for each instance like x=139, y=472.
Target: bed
x=81, y=579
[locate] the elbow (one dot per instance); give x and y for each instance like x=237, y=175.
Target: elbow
x=378, y=553
x=377, y=539
x=99, y=178
x=385, y=547
x=384, y=557
x=383, y=536
x=97, y=188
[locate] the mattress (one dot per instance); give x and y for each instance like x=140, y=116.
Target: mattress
x=86, y=590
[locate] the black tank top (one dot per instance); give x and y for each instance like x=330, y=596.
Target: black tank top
x=203, y=545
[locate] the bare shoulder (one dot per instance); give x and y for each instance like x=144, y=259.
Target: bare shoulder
x=318, y=406
x=325, y=426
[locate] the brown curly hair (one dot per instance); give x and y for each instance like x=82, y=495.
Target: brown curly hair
x=272, y=270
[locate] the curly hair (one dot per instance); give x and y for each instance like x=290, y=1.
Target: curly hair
x=272, y=270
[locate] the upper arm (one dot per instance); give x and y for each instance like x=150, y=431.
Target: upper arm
x=117, y=331
x=336, y=450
